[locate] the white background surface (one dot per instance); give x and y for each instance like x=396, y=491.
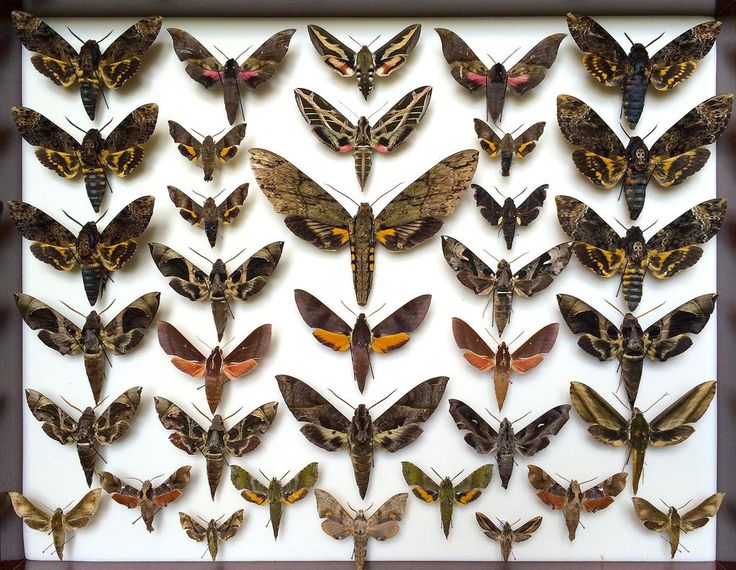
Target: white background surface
x=52, y=474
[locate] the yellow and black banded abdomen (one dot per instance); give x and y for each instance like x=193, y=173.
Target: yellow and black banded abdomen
x=96, y=183
x=632, y=284
x=89, y=88
x=635, y=187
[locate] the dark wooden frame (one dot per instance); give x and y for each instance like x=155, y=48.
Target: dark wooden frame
x=11, y=393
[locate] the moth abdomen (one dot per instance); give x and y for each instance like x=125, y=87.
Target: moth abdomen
x=95, y=182
x=220, y=312
x=363, y=156
x=362, y=252
x=634, y=92
x=506, y=158
x=215, y=463
x=632, y=284
x=361, y=455
x=631, y=369
x=94, y=366
x=89, y=88
x=635, y=186
x=87, y=456
x=502, y=309
x=210, y=230
x=93, y=280
x=360, y=550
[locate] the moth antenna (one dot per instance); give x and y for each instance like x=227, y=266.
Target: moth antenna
x=650, y=132
x=202, y=256
x=490, y=299
x=240, y=99
x=106, y=308
x=103, y=38
x=349, y=109
x=517, y=128
x=203, y=342
x=628, y=38
x=435, y=472
x=98, y=403
x=75, y=35
x=517, y=338
x=200, y=134
x=620, y=223
x=284, y=475
x=620, y=401
x=264, y=475
x=103, y=127
x=651, y=310
x=628, y=136
x=619, y=311
x=685, y=505
x=518, y=257
x=650, y=226
x=499, y=193
x=588, y=481
x=373, y=40
x=378, y=309
x=341, y=399
x=656, y=402
x=348, y=308
x=352, y=509
x=520, y=193
x=72, y=406
x=500, y=521
x=216, y=195
x=654, y=40
x=369, y=507
x=237, y=58
x=458, y=474
x=357, y=43
x=382, y=399
x=342, y=194
x=491, y=414
x=228, y=342
x=521, y=418
x=491, y=335
x=492, y=256
x=72, y=219
x=516, y=521
x=219, y=518
x=97, y=221
x=200, y=518
x=489, y=55
x=222, y=52
x=73, y=309
x=206, y=548
x=136, y=479
x=80, y=129
x=395, y=186
x=508, y=56
x=581, y=524
x=202, y=195
x=152, y=479
x=201, y=412
x=231, y=415
x=65, y=506
x=563, y=478
x=377, y=111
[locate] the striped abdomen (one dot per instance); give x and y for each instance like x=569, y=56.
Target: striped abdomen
x=87, y=457
x=94, y=366
x=210, y=230
x=634, y=91
x=632, y=284
x=94, y=278
x=89, y=88
x=95, y=182
x=360, y=549
x=362, y=252
x=363, y=156
x=632, y=364
x=635, y=186
x=215, y=463
x=361, y=455
x=220, y=312
x=502, y=308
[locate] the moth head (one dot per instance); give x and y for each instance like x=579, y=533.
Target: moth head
x=504, y=265
x=630, y=324
x=363, y=124
x=497, y=73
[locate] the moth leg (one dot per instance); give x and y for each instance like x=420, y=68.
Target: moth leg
x=582, y=525
x=370, y=367
x=104, y=173
x=67, y=540
x=155, y=510
x=240, y=100
x=102, y=89
x=98, y=454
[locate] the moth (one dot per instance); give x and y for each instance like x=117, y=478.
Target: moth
x=672, y=159
x=393, y=430
x=217, y=368
x=209, y=215
x=508, y=147
x=91, y=68
x=673, y=523
x=470, y=72
x=508, y=216
x=429, y=491
x=217, y=442
x=572, y=499
x=276, y=494
x=506, y=444
x=390, y=334
x=213, y=532
x=149, y=498
x=98, y=253
x=630, y=343
x=218, y=287
x=58, y=523
x=339, y=524
x=206, y=70
x=88, y=431
x=667, y=428
x=502, y=362
x=336, y=131
x=120, y=152
x=507, y=535
x=95, y=341
x=501, y=285
x=410, y=218
x=365, y=64
x=207, y=153
x=672, y=249
x=611, y=66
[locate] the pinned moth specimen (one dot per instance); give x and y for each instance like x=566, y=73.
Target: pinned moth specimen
x=365, y=64
x=629, y=344
x=673, y=523
x=672, y=249
x=609, y=64
x=501, y=285
x=91, y=68
x=217, y=442
x=572, y=499
x=206, y=70
x=207, y=153
x=480, y=356
x=276, y=494
x=410, y=218
x=506, y=535
x=217, y=287
x=506, y=443
x=339, y=524
x=470, y=72
x=120, y=152
x=58, y=523
x=121, y=335
x=669, y=427
x=508, y=147
x=393, y=430
x=213, y=532
x=97, y=253
x=429, y=491
x=390, y=334
x=209, y=215
x=336, y=131
x=673, y=158
x=217, y=369
x=149, y=498
x=508, y=216
x=88, y=431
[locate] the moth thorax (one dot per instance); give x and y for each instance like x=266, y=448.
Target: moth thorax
x=362, y=429
x=231, y=66
x=635, y=245
x=275, y=490
x=638, y=427
x=497, y=74
x=503, y=358
x=631, y=329
x=208, y=141
x=89, y=55
x=147, y=490
x=209, y=208
x=92, y=145
x=638, y=153
x=57, y=518
x=503, y=274
x=89, y=237
x=573, y=490
x=364, y=128
x=638, y=56
x=218, y=275
x=93, y=323
x=214, y=362
x=360, y=527
x=508, y=205
x=217, y=423
x=84, y=425
x=362, y=225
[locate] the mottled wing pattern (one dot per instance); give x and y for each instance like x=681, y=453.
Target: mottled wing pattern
x=489, y=141
x=245, y=435
x=531, y=69
x=338, y=523
x=604, y=57
x=669, y=426
x=202, y=66
x=187, y=279
x=53, y=243
x=57, y=331
x=121, y=60
x=56, y=423
x=262, y=63
x=117, y=241
x=535, y=436
x=252, y=275
x=481, y=436
x=465, y=67
x=188, y=435
x=609, y=426
x=539, y=274
x=123, y=151
x=125, y=331
x=114, y=421
x=471, y=270
x=34, y=517
x=328, y=124
x=599, y=336
x=395, y=126
x=526, y=142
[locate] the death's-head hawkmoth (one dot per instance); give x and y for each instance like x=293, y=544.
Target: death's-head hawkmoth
x=508, y=147
x=501, y=285
x=338, y=133
x=410, y=218
x=390, y=334
x=629, y=344
x=507, y=443
x=508, y=216
x=670, y=250
x=393, y=430
x=120, y=152
x=507, y=535
x=214, y=531
x=91, y=68
x=470, y=72
x=672, y=159
x=276, y=494
x=98, y=253
x=207, y=153
x=218, y=287
x=610, y=65
x=365, y=64
x=669, y=427
x=207, y=70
